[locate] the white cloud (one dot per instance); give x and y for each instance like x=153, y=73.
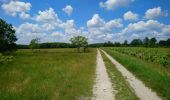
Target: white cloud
x=24, y=15
x=46, y=16
x=68, y=9
x=155, y=13
x=14, y=7
x=57, y=34
x=130, y=16
x=96, y=21
x=114, y=4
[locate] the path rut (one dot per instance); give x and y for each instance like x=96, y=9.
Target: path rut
x=102, y=89
x=143, y=92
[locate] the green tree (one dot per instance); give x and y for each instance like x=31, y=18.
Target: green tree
x=125, y=43
x=34, y=44
x=146, y=42
x=152, y=42
x=7, y=37
x=136, y=42
x=80, y=41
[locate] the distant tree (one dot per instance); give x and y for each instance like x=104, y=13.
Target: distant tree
x=168, y=42
x=162, y=43
x=34, y=44
x=152, y=42
x=7, y=37
x=136, y=42
x=117, y=44
x=80, y=41
x=146, y=42
x=125, y=43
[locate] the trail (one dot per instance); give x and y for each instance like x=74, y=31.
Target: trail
x=102, y=89
x=143, y=92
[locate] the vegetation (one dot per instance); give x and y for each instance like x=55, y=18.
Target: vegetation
x=5, y=59
x=135, y=43
x=156, y=55
x=152, y=74
x=79, y=41
x=52, y=74
x=123, y=89
x=34, y=44
x=7, y=37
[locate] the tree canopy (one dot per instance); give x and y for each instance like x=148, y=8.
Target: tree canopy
x=7, y=37
x=79, y=41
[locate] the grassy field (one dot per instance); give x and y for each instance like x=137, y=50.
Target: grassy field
x=153, y=75
x=123, y=89
x=51, y=74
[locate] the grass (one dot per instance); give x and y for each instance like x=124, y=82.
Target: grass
x=151, y=74
x=51, y=74
x=119, y=83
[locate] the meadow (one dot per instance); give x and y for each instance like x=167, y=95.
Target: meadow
x=153, y=74
x=48, y=74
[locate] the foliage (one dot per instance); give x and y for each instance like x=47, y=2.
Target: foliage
x=57, y=74
x=7, y=37
x=153, y=75
x=156, y=55
x=5, y=59
x=34, y=44
x=80, y=41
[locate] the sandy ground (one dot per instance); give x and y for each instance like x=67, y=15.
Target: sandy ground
x=102, y=89
x=143, y=92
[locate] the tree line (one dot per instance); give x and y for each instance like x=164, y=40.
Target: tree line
x=8, y=41
x=135, y=43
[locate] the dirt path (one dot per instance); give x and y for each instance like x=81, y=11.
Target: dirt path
x=143, y=92
x=102, y=89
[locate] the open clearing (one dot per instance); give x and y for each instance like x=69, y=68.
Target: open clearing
x=51, y=74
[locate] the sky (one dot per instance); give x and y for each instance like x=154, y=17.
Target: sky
x=98, y=20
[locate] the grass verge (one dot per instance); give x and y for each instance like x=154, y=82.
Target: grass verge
x=119, y=83
x=51, y=74
x=155, y=78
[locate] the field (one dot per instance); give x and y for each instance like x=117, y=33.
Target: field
x=154, y=74
x=49, y=74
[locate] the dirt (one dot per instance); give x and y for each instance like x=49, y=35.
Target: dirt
x=143, y=92
x=102, y=89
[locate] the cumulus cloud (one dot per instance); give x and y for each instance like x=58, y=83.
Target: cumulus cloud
x=114, y=4
x=155, y=13
x=100, y=30
x=130, y=16
x=14, y=7
x=23, y=15
x=68, y=9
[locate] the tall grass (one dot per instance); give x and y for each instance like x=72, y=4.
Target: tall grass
x=151, y=74
x=51, y=74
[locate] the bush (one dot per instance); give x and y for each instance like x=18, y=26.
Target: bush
x=5, y=59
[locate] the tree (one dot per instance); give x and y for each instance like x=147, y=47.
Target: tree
x=7, y=37
x=136, y=42
x=152, y=42
x=168, y=42
x=125, y=43
x=79, y=41
x=34, y=44
x=146, y=42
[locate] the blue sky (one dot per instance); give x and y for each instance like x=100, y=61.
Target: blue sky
x=99, y=20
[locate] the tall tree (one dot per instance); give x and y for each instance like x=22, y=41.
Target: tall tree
x=153, y=42
x=79, y=41
x=146, y=42
x=34, y=44
x=136, y=42
x=7, y=37
x=125, y=43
